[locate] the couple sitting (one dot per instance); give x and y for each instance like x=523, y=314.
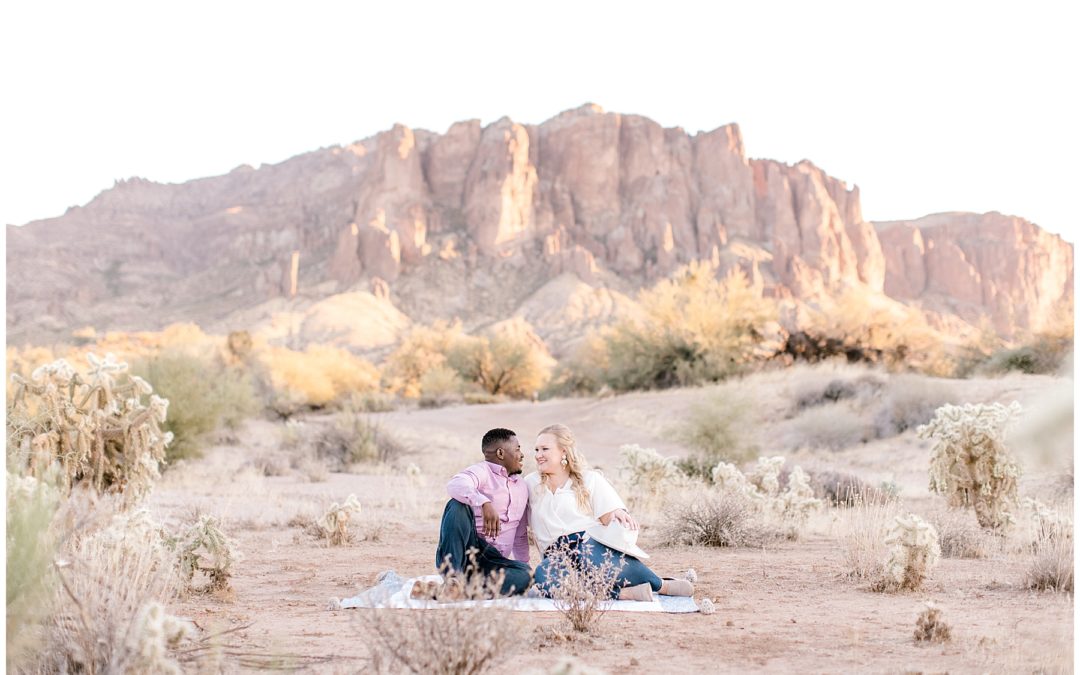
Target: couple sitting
x=567, y=506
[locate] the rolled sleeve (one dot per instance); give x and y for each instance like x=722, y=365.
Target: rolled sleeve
x=464, y=487
x=604, y=498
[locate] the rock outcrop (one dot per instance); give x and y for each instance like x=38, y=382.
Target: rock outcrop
x=978, y=265
x=473, y=222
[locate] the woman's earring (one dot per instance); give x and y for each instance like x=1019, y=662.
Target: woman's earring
x=564, y=462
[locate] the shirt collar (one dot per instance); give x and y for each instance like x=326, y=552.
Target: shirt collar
x=497, y=469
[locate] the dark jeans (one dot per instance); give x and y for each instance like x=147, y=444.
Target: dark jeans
x=629, y=570
x=458, y=538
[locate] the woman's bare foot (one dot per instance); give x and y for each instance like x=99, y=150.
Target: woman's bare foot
x=639, y=593
x=680, y=587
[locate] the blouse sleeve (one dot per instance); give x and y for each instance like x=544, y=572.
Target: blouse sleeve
x=604, y=497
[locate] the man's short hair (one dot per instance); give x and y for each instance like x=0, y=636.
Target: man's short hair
x=494, y=437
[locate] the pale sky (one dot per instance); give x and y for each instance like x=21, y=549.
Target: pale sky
x=926, y=106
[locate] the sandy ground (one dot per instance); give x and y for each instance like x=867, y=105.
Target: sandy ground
x=785, y=608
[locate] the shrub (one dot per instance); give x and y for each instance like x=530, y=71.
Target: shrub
x=459, y=639
x=724, y=519
x=930, y=627
x=422, y=351
x=833, y=427
x=1044, y=355
x=441, y=386
x=695, y=328
x=914, y=550
x=334, y=524
x=31, y=545
x=970, y=464
x=352, y=438
x=98, y=429
x=907, y=402
x=510, y=360
x=582, y=590
x=111, y=577
x=715, y=430
x=203, y=395
x=317, y=377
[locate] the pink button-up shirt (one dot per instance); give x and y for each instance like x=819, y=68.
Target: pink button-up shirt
x=488, y=482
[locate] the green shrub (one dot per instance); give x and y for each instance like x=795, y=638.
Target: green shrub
x=203, y=396
x=31, y=505
x=423, y=350
x=715, y=430
x=352, y=438
x=509, y=360
x=440, y=386
x=695, y=328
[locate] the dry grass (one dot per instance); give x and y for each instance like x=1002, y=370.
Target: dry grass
x=862, y=530
x=461, y=639
x=1052, y=568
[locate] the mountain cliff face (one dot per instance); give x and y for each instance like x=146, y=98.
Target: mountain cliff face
x=972, y=265
x=474, y=222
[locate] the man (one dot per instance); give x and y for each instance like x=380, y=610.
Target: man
x=486, y=516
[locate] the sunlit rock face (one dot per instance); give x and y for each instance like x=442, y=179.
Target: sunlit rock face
x=472, y=222
x=988, y=265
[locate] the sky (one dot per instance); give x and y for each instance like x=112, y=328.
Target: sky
x=926, y=106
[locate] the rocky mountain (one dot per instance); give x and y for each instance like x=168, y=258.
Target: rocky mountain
x=482, y=223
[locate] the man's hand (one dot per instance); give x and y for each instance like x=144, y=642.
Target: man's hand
x=491, y=521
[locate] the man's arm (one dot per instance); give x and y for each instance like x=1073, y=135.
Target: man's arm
x=465, y=487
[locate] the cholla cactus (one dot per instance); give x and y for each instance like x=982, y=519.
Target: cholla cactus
x=415, y=475
x=648, y=472
x=335, y=522
x=914, y=551
x=203, y=547
x=153, y=633
x=793, y=505
x=99, y=429
x=970, y=463
x=766, y=475
x=728, y=478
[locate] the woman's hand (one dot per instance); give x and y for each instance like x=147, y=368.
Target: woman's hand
x=620, y=516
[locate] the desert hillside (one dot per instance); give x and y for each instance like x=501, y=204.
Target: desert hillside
x=351, y=244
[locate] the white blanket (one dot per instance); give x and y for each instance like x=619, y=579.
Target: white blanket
x=392, y=591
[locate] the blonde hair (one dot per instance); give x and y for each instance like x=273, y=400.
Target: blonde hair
x=575, y=462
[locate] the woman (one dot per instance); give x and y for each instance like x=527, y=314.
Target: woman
x=569, y=506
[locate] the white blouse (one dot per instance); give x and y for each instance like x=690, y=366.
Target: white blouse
x=551, y=515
